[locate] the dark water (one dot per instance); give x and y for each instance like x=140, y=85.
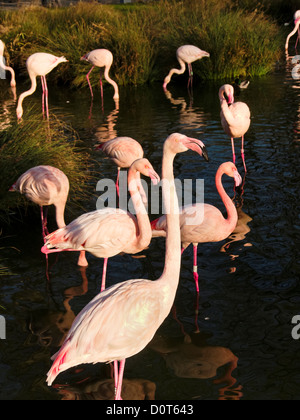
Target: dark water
x=235, y=341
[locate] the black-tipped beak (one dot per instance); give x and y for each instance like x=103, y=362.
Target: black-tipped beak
x=205, y=154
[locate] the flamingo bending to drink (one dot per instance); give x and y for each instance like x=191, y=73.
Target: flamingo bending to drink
x=4, y=67
x=186, y=55
x=120, y=321
x=235, y=118
x=101, y=58
x=39, y=64
x=297, y=28
x=203, y=223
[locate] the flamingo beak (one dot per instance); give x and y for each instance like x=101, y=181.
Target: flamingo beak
x=197, y=146
x=154, y=176
x=83, y=57
x=238, y=179
x=12, y=188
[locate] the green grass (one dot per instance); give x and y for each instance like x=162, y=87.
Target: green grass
x=240, y=35
x=36, y=142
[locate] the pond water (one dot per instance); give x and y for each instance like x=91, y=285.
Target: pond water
x=232, y=342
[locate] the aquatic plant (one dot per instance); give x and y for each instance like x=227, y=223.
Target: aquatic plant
x=241, y=39
x=35, y=142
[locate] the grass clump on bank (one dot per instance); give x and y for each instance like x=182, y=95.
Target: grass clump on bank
x=34, y=142
x=144, y=38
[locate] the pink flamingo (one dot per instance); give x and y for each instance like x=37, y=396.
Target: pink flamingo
x=203, y=223
x=45, y=186
x=101, y=58
x=297, y=28
x=7, y=68
x=235, y=118
x=39, y=64
x=120, y=321
x=109, y=231
x=186, y=54
x=123, y=151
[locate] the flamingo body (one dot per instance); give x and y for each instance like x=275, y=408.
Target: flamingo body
x=235, y=118
x=7, y=68
x=202, y=222
x=39, y=64
x=120, y=321
x=186, y=55
x=123, y=151
x=101, y=58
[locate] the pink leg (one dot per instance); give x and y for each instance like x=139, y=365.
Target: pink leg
x=88, y=79
x=233, y=150
x=195, y=268
x=43, y=95
x=298, y=38
x=120, y=380
x=101, y=87
x=104, y=274
x=243, y=154
x=46, y=97
x=117, y=183
x=116, y=375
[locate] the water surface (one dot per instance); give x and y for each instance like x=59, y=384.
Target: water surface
x=234, y=341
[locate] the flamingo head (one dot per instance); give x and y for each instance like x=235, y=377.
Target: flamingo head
x=19, y=112
x=13, y=188
x=297, y=17
x=229, y=169
x=179, y=143
x=144, y=167
x=84, y=57
x=227, y=92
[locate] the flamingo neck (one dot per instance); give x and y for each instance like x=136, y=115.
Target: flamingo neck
x=25, y=94
x=112, y=82
x=297, y=24
x=170, y=276
x=60, y=215
x=232, y=217
x=177, y=71
x=144, y=233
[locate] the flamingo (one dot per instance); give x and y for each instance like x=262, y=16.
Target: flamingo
x=45, y=186
x=235, y=118
x=123, y=151
x=7, y=68
x=186, y=54
x=109, y=231
x=39, y=64
x=297, y=28
x=120, y=321
x=203, y=223
x=101, y=58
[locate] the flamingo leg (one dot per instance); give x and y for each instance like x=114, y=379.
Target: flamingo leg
x=233, y=150
x=104, y=274
x=298, y=38
x=195, y=268
x=88, y=79
x=117, y=182
x=44, y=212
x=190, y=82
x=45, y=96
x=120, y=380
x=243, y=154
x=101, y=87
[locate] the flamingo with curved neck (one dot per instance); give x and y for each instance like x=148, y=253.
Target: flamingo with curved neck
x=39, y=64
x=296, y=29
x=186, y=55
x=109, y=231
x=6, y=68
x=203, y=223
x=235, y=118
x=119, y=322
x=101, y=58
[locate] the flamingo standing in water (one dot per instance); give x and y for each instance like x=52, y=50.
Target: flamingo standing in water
x=109, y=231
x=203, y=223
x=120, y=321
x=45, y=186
x=39, y=64
x=123, y=151
x=235, y=118
x=297, y=28
x=6, y=68
x=101, y=58
x=186, y=55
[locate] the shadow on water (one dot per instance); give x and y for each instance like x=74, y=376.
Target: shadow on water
x=235, y=341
